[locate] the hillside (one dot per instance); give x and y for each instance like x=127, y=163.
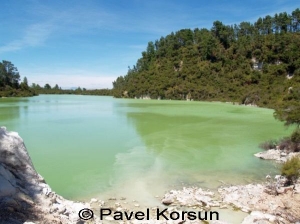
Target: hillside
x=247, y=63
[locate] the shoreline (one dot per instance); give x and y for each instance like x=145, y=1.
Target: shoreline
x=248, y=203
x=38, y=202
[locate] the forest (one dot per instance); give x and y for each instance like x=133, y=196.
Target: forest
x=248, y=63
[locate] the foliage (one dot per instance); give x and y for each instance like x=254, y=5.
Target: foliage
x=295, y=137
x=9, y=75
x=9, y=82
x=10, y=85
x=78, y=91
x=291, y=169
x=271, y=144
x=289, y=109
x=246, y=63
x=288, y=145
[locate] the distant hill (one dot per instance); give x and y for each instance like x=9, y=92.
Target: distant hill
x=247, y=63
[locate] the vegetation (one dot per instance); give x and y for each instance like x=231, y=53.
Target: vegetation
x=10, y=85
x=291, y=169
x=295, y=137
x=288, y=144
x=47, y=89
x=10, y=81
x=247, y=63
x=288, y=110
x=271, y=144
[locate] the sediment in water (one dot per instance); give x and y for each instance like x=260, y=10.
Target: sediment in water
x=25, y=196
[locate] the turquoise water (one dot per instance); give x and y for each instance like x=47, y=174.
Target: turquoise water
x=92, y=145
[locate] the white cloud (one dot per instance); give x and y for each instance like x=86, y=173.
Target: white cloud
x=34, y=35
x=58, y=22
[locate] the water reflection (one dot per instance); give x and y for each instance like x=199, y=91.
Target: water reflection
x=84, y=145
x=198, y=143
x=9, y=114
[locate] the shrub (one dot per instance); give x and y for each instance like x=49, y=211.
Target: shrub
x=288, y=145
x=284, y=144
x=291, y=169
x=271, y=144
x=295, y=137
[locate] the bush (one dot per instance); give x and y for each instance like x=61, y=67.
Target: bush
x=295, y=137
x=288, y=145
x=291, y=169
x=271, y=144
x=285, y=143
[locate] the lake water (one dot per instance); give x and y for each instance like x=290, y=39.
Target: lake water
x=87, y=146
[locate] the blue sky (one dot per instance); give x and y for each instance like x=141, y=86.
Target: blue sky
x=88, y=43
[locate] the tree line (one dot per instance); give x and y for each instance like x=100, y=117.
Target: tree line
x=247, y=63
x=250, y=63
x=10, y=85
x=47, y=89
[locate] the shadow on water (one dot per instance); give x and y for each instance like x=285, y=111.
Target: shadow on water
x=138, y=146
x=192, y=144
x=203, y=144
x=174, y=138
x=10, y=110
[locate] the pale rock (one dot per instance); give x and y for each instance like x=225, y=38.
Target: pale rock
x=245, y=209
x=276, y=154
x=258, y=217
x=271, y=154
x=24, y=191
x=93, y=200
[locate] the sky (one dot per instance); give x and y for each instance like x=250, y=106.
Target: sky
x=89, y=43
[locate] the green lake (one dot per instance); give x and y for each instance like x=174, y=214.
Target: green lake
x=88, y=146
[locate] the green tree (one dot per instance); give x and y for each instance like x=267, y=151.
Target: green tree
x=241, y=63
x=24, y=84
x=9, y=74
x=289, y=110
x=291, y=169
x=47, y=86
x=296, y=20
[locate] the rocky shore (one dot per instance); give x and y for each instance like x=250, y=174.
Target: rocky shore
x=276, y=155
x=259, y=200
x=24, y=195
x=26, y=198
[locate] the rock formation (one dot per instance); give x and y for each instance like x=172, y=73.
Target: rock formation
x=26, y=198
x=276, y=154
x=24, y=194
